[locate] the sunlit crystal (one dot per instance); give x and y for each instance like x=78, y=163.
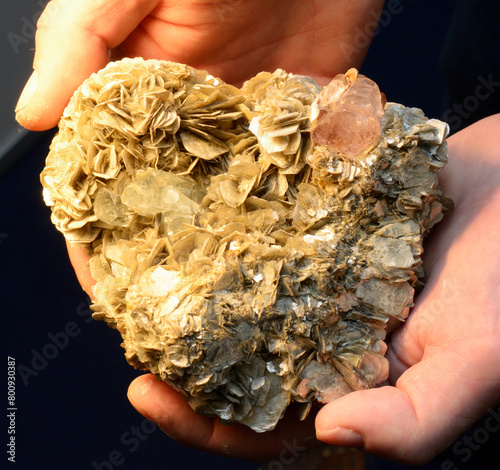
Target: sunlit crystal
x=350, y=115
x=155, y=191
x=109, y=208
x=247, y=260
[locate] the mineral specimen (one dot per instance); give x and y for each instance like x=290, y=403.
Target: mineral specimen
x=253, y=246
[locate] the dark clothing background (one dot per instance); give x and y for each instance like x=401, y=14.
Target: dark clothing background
x=470, y=63
x=72, y=410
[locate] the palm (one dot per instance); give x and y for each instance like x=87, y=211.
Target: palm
x=237, y=39
x=463, y=273
x=451, y=338
x=232, y=39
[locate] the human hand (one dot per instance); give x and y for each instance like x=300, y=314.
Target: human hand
x=445, y=360
x=232, y=39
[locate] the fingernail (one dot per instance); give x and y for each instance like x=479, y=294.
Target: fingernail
x=28, y=92
x=138, y=389
x=342, y=437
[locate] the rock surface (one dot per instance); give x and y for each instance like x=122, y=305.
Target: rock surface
x=252, y=246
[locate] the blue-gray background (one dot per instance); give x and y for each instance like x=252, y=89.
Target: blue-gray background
x=73, y=409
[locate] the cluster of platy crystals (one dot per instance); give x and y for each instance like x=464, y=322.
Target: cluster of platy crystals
x=253, y=246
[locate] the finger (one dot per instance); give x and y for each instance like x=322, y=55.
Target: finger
x=404, y=347
x=80, y=262
x=431, y=405
x=72, y=42
x=161, y=403
x=463, y=182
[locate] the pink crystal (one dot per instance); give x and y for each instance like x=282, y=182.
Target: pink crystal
x=350, y=112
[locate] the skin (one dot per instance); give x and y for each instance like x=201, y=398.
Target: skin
x=445, y=360
x=232, y=39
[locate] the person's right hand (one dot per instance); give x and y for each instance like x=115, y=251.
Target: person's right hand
x=232, y=39
x=445, y=359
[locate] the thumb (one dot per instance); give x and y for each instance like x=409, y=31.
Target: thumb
x=382, y=421
x=433, y=402
x=71, y=43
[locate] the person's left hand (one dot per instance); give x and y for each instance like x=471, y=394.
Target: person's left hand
x=445, y=359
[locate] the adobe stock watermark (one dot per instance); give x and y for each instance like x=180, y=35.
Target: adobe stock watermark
x=226, y=7
x=471, y=442
x=27, y=26
x=57, y=342
x=485, y=87
x=288, y=455
x=130, y=441
x=440, y=300
x=363, y=36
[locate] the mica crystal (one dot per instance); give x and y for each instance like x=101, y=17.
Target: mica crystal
x=253, y=246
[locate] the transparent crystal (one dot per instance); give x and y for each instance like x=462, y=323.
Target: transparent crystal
x=109, y=208
x=157, y=191
x=350, y=113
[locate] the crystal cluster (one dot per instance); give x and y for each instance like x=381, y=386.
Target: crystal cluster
x=350, y=112
x=253, y=246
